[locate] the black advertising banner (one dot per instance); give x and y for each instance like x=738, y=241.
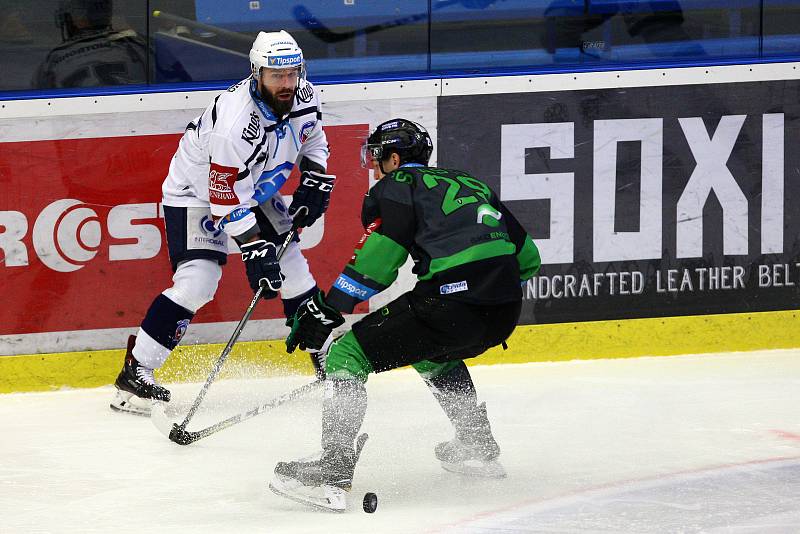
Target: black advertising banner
x=646, y=201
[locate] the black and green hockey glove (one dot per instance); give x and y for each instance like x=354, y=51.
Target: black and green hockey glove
x=312, y=323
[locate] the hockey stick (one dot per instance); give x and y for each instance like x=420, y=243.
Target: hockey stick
x=311, y=23
x=227, y=350
x=326, y=35
x=181, y=436
x=200, y=26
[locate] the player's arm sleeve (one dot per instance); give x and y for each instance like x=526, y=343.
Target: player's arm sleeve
x=527, y=251
x=529, y=260
x=230, y=189
x=383, y=249
x=315, y=147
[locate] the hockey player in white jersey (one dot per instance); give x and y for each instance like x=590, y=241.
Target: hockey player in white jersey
x=225, y=178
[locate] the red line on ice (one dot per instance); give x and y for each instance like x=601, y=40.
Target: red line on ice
x=786, y=435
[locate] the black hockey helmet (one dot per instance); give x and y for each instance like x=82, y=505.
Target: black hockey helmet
x=410, y=140
x=75, y=16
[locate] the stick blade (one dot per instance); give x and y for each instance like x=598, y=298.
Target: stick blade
x=169, y=428
x=179, y=435
x=158, y=415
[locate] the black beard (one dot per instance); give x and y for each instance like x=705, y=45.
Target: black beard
x=279, y=107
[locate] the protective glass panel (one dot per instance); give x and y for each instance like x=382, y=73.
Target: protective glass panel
x=670, y=30
x=339, y=39
x=54, y=44
x=73, y=44
x=481, y=35
x=781, y=24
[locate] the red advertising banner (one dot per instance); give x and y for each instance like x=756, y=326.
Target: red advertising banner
x=83, y=245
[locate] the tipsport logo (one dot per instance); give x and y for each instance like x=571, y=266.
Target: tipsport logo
x=293, y=60
x=68, y=233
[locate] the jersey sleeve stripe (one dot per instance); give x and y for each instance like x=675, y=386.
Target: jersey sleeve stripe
x=246, y=172
x=214, y=112
x=478, y=252
x=304, y=111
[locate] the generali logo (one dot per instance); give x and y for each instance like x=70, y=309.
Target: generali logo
x=220, y=185
x=218, y=181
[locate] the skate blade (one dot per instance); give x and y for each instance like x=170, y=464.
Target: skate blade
x=476, y=468
x=327, y=498
x=126, y=402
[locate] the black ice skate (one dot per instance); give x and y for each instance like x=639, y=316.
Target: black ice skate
x=474, y=450
x=136, y=386
x=323, y=483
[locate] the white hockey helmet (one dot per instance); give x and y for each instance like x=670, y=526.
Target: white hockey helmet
x=275, y=50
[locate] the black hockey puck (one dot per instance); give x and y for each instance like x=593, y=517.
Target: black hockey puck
x=370, y=502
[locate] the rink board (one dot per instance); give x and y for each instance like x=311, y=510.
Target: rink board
x=85, y=253
x=530, y=343
x=573, y=155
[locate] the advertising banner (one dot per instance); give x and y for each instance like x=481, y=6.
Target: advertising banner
x=82, y=245
x=644, y=201
x=83, y=234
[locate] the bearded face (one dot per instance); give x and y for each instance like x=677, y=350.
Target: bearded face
x=277, y=87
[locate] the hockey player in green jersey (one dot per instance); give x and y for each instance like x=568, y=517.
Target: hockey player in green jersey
x=470, y=256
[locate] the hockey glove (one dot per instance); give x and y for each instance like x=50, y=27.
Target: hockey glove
x=311, y=198
x=261, y=264
x=312, y=324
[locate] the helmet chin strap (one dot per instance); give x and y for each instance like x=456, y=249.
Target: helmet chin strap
x=380, y=164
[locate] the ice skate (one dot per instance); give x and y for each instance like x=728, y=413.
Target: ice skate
x=473, y=451
x=136, y=386
x=324, y=483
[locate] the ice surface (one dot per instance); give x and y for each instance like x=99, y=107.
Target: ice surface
x=682, y=444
